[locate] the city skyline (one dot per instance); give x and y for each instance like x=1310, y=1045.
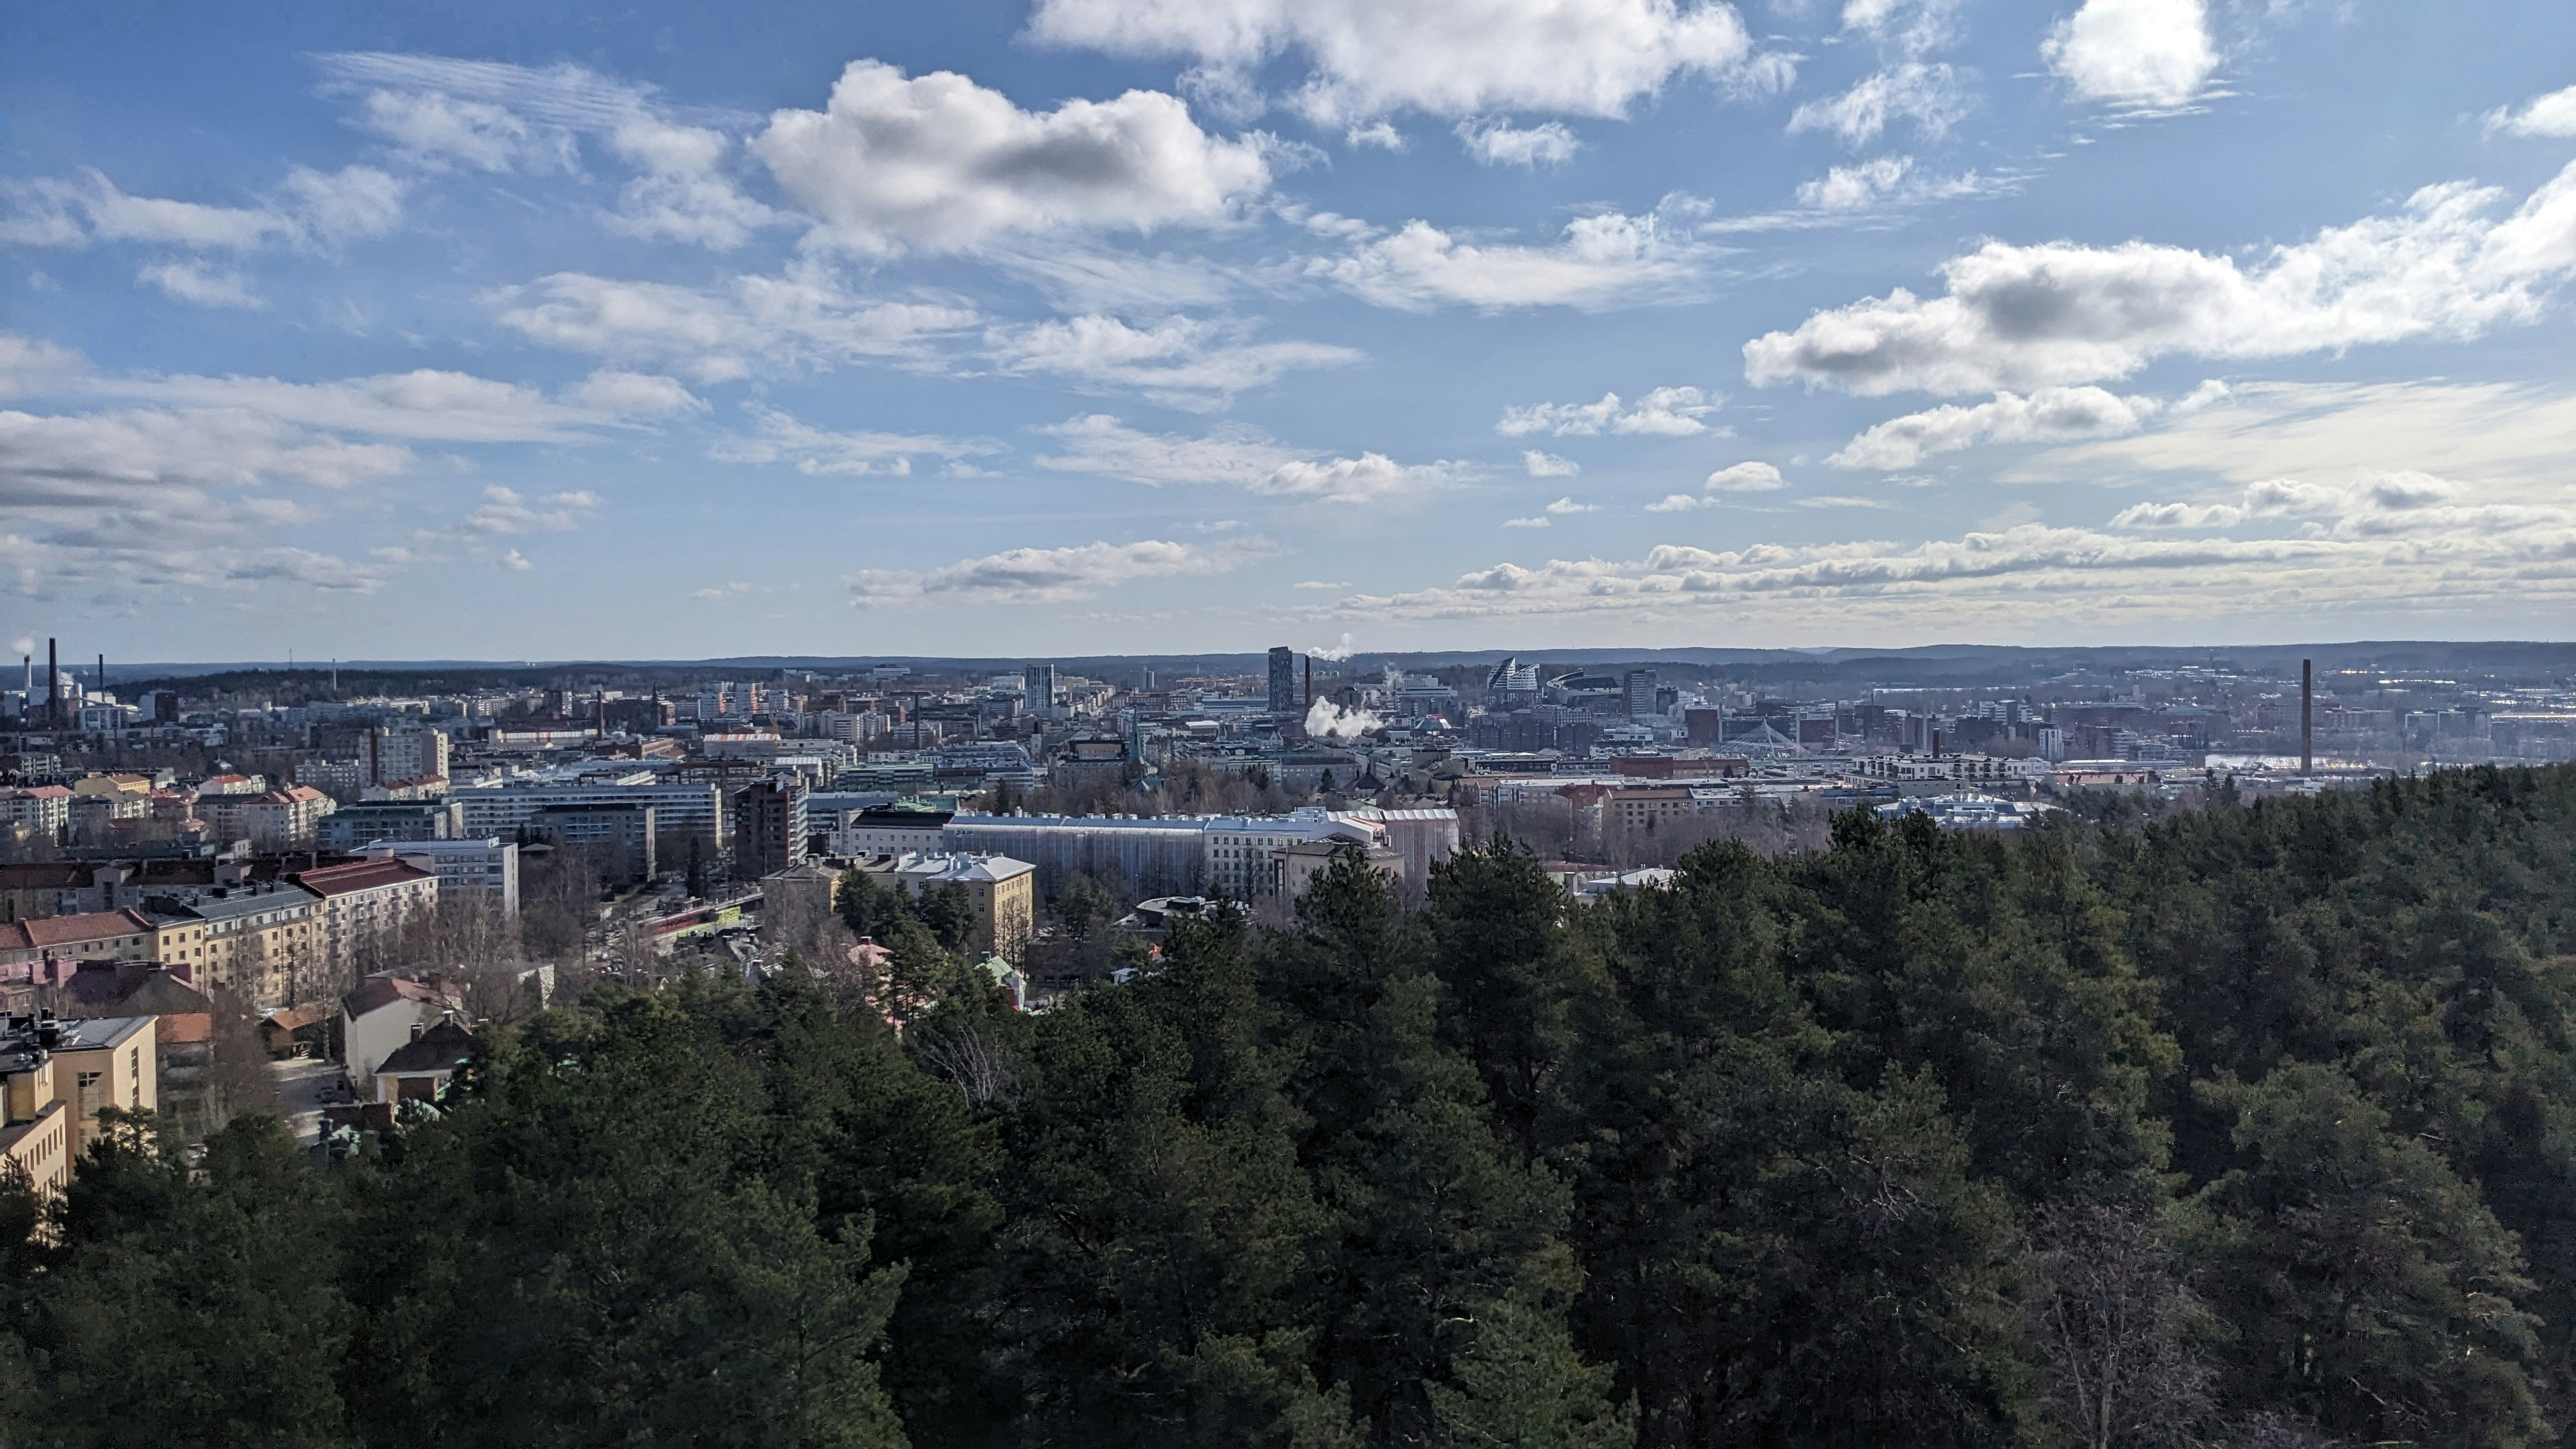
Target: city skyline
x=1092, y=327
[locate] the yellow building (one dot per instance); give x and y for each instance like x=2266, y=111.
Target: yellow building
x=262, y=939
x=1002, y=890
x=57, y=1076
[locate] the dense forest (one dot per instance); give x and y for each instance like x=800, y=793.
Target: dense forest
x=2254, y=1125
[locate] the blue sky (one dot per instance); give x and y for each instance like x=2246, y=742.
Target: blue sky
x=1152, y=325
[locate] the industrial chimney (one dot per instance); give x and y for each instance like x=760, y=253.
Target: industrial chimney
x=2307, y=717
x=53, y=686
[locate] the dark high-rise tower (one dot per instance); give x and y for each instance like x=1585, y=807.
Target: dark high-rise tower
x=1283, y=682
x=2307, y=717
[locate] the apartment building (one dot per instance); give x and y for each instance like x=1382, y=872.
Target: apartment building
x=358, y=906
x=485, y=870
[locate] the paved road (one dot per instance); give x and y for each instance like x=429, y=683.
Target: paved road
x=300, y=1086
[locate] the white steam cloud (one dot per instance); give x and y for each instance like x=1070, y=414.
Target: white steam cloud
x=1327, y=720
x=1332, y=653
x=26, y=644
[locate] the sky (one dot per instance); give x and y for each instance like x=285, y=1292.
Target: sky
x=1019, y=327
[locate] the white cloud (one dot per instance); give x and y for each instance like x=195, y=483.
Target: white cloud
x=941, y=163
x=1676, y=503
x=1499, y=143
x=513, y=560
x=198, y=284
x=1600, y=262
x=2020, y=317
x=1563, y=506
x=1539, y=520
x=2144, y=53
x=1300, y=584
x=720, y=591
x=1669, y=412
x=435, y=130
x=636, y=394
x=1379, y=134
x=1366, y=58
x=2551, y=115
x=1928, y=97
x=1850, y=188
x=2053, y=414
x=1368, y=478
x=683, y=193
x=1240, y=456
x=1752, y=477
x=2515, y=438
x=1049, y=575
x=1548, y=465
x=311, y=208
x=506, y=511
x=1838, y=500
x=1180, y=361
x=804, y=317
x=427, y=403
x=781, y=438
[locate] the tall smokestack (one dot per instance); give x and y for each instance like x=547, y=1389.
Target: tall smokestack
x=102, y=674
x=1310, y=681
x=2307, y=717
x=53, y=686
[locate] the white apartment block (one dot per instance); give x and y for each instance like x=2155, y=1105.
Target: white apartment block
x=485, y=870
x=498, y=811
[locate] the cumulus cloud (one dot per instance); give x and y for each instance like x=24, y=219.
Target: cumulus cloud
x=940, y=163
x=804, y=317
x=1239, y=456
x=1927, y=97
x=2142, y=53
x=1049, y=575
x=1849, y=188
x=683, y=193
x=1184, y=362
x=1548, y=465
x=1364, y=58
x=1751, y=477
x=2551, y=115
x=436, y=131
x=2015, y=318
x=779, y=437
x=1669, y=412
x=1536, y=520
x=2052, y=414
x=1379, y=134
x=1498, y=143
x=1597, y=263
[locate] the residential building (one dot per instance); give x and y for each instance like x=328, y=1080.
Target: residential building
x=769, y=827
x=383, y=1015
x=353, y=827
x=420, y=1069
x=1103, y=761
x=259, y=938
x=1040, y=681
x=362, y=905
x=685, y=808
x=1639, y=692
x=467, y=870
x=271, y=819
x=106, y=1061
x=890, y=831
x=1242, y=851
x=619, y=839
x=1003, y=890
x=1301, y=862
x=1643, y=807
x=45, y=810
x=35, y=1123
x=44, y=950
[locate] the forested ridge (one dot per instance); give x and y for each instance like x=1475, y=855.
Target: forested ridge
x=2255, y=1125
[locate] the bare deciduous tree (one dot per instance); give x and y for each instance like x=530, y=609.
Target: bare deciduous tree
x=2118, y=1327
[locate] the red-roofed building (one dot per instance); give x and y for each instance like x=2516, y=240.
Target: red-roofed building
x=46, y=950
x=362, y=904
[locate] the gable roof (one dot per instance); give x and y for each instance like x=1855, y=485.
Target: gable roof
x=46, y=932
x=378, y=992
x=442, y=1048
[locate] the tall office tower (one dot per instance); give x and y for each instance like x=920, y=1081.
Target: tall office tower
x=1283, y=682
x=1040, y=679
x=1641, y=694
x=2307, y=717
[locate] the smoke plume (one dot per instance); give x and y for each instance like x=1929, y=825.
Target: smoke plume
x=1330, y=721
x=1332, y=653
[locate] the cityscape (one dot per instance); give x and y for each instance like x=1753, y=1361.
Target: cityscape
x=1288, y=724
